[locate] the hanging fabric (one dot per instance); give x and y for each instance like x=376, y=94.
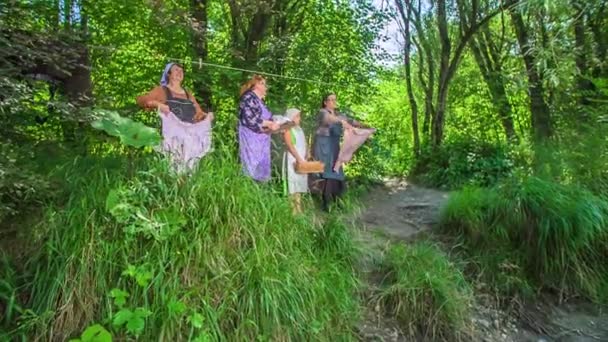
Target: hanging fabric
x=185, y=143
x=353, y=139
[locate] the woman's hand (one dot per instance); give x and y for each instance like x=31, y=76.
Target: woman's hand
x=270, y=126
x=202, y=116
x=164, y=108
x=346, y=125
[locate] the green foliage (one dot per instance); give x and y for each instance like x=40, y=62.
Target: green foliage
x=21, y=185
x=238, y=268
x=533, y=232
x=425, y=292
x=461, y=162
x=10, y=304
x=390, y=150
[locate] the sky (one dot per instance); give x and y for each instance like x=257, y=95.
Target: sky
x=391, y=30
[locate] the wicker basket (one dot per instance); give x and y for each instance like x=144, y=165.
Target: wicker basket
x=309, y=167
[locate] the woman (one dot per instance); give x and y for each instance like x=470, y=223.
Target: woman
x=186, y=129
x=255, y=126
x=326, y=148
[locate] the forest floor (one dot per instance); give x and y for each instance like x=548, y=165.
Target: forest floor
x=401, y=212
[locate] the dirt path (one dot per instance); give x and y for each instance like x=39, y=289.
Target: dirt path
x=401, y=212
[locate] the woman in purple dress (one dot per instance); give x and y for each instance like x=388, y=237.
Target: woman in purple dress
x=255, y=126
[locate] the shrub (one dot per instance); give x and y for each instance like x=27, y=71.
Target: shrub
x=553, y=235
x=426, y=293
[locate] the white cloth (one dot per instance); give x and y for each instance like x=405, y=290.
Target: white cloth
x=185, y=143
x=295, y=182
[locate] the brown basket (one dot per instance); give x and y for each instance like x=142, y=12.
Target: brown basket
x=309, y=167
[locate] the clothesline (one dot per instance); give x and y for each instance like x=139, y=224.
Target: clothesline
x=201, y=63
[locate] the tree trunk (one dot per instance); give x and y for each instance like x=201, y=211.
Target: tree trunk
x=581, y=52
x=408, y=73
x=250, y=21
x=198, y=9
x=449, y=66
x=541, y=117
x=424, y=49
x=67, y=14
x=488, y=57
x=597, y=24
x=444, y=63
x=492, y=75
x=78, y=87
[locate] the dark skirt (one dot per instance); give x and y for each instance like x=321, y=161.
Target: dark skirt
x=326, y=150
x=330, y=185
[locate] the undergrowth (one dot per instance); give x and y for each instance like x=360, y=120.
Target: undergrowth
x=145, y=253
x=462, y=162
x=425, y=292
x=533, y=234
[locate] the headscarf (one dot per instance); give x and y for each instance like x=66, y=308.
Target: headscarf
x=291, y=113
x=164, y=80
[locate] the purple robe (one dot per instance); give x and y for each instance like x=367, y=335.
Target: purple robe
x=185, y=143
x=254, y=145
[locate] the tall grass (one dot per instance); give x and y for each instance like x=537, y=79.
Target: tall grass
x=425, y=292
x=211, y=256
x=545, y=234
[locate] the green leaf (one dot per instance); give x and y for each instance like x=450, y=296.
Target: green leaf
x=143, y=278
x=136, y=323
x=204, y=337
x=96, y=333
x=141, y=274
x=129, y=132
x=121, y=317
x=176, y=307
x=143, y=313
x=120, y=297
x=196, y=319
x=113, y=199
x=130, y=271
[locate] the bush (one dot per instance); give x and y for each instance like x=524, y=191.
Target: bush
x=550, y=235
x=458, y=163
x=211, y=256
x=426, y=293
x=21, y=186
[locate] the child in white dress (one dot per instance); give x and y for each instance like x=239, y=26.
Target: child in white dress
x=295, y=141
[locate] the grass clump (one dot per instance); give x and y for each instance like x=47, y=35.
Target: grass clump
x=533, y=234
x=151, y=255
x=425, y=292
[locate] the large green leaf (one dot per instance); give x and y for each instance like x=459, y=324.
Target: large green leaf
x=131, y=133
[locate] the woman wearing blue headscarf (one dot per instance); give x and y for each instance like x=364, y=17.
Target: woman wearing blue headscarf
x=170, y=96
x=186, y=128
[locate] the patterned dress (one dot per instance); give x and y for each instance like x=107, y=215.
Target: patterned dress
x=254, y=144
